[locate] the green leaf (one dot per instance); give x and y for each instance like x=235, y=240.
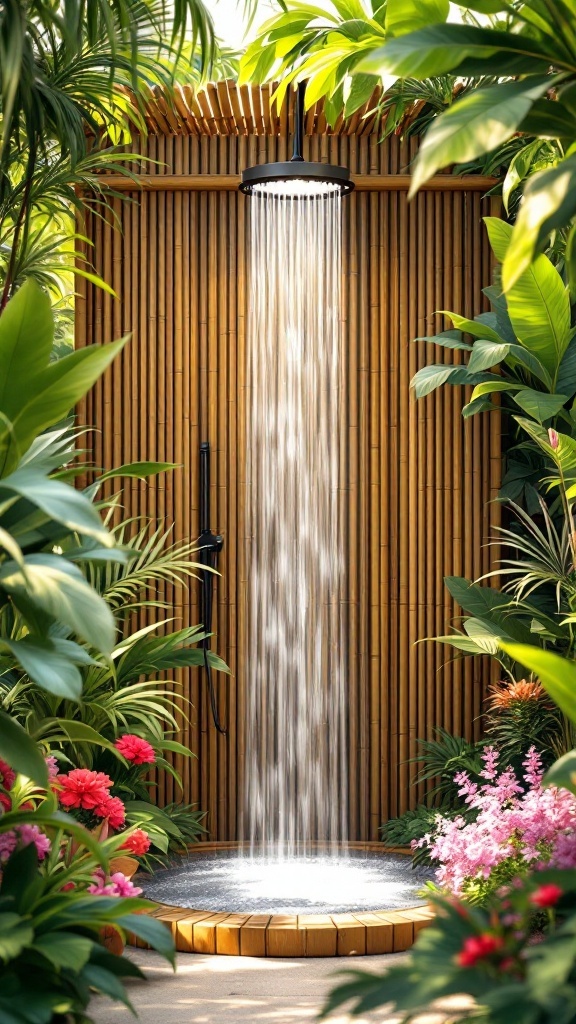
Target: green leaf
x=79, y=732
x=64, y=950
x=404, y=16
x=16, y=933
x=476, y=124
x=442, y=49
x=447, y=339
x=20, y=751
x=59, y=589
x=518, y=169
x=491, y=386
x=549, y=203
x=431, y=377
x=557, y=674
x=153, y=932
x=361, y=89
x=538, y=302
x=538, y=405
x=50, y=662
x=138, y=470
x=486, y=354
x=477, y=328
x=563, y=772
x=58, y=389
x=59, y=501
x=26, y=338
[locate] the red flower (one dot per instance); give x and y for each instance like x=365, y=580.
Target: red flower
x=7, y=775
x=5, y=802
x=84, y=789
x=135, y=749
x=111, y=808
x=546, y=896
x=138, y=843
x=477, y=947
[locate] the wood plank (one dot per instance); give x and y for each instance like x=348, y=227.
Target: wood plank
x=351, y=935
x=253, y=935
x=230, y=182
x=403, y=929
x=379, y=933
x=204, y=933
x=228, y=934
x=283, y=937
x=320, y=934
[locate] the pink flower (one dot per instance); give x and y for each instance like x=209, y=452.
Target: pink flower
x=23, y=835
x=116, y=885
x=111, y=808
x=83, y=789
x=546, y=896
x=553, y=438
x=478, y=947
x=135, y=749
x=137, y=843
x=52, y=765
x=515, y=823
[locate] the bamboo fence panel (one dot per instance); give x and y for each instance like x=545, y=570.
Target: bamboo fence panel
x=416, y=479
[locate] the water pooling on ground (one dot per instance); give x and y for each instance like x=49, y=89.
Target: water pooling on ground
x=302, y=885
x=296, y=752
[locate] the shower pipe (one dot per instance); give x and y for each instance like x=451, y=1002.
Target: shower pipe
x=230, y=182
x=210, y=546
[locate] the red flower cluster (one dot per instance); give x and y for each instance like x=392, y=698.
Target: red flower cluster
x=546, y=896
x=82, y=789
x=135, y=749
x=137, y=843
x=478, y=947
x=7, y=778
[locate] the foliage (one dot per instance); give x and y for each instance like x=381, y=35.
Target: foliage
x=488, y=953
x=344, y=52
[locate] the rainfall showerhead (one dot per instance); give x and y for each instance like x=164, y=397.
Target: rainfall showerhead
x=297, y=178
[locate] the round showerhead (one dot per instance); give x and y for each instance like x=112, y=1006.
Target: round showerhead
x=297, y=178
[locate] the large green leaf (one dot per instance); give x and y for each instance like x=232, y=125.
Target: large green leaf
x=442, y=49
x=59, y=589
x=557, y=674
x=404, y=16
x=428, y=378
x=476, y=124
x=138, y=470
x=538, y=302
x=563, y=772
x=51, y=663
x=20, y=751
x=56, y=391
x=153, y=932
x=15, y=934
x=538, y=405
x=486, y=354
x=549, y=203
x=477, y=328
x=26, y=337
x=59, y=501
x=64, y=950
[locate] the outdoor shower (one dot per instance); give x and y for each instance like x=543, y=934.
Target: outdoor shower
x=210, y=546
x=297, y=178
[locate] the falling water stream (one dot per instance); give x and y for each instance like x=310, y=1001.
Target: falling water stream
x=296, y=772
x=296, y=791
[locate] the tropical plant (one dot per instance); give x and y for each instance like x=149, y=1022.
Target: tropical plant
x=344, y=52
x=490, y=953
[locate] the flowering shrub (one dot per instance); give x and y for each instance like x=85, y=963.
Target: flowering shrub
x=517, y=828
x=21, y=836
x=116, y=885
x=137, y=843
x=515, y=975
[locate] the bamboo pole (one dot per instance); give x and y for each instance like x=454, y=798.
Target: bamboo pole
x=214, y=182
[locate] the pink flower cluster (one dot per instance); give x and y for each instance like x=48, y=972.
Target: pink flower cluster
x=536, y=823
x=135, y=749
x=23, y=835
x=82, y=789
x=116, y=885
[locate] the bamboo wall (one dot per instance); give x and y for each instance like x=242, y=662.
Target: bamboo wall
x=417, y=476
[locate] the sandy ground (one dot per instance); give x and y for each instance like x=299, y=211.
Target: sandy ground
x=242, y=990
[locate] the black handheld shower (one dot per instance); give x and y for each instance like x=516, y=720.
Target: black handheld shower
x=210, y=546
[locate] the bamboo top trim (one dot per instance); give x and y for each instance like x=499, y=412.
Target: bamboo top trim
x=227, y=108
x=229, y=182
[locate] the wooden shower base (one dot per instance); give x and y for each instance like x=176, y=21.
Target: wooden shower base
x=282, y=935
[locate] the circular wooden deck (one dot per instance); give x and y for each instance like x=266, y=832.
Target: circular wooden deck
x=287, y=935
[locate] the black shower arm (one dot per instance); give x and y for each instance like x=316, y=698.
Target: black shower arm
x=210, y=545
